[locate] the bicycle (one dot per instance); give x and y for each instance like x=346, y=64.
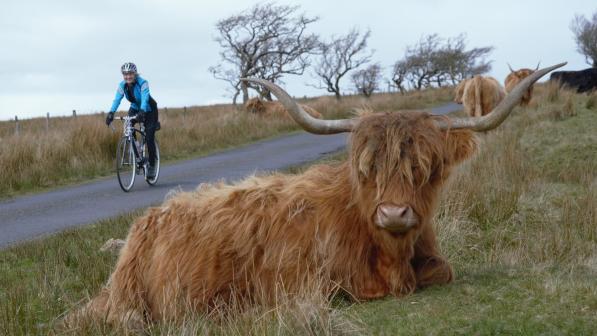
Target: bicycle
x=131, y=158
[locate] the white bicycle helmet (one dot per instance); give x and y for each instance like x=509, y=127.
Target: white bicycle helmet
x=128, y=67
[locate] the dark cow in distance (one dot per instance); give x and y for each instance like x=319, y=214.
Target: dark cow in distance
x=363, y=225
x=583, y=80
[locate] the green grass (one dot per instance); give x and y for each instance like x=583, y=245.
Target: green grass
x=41, y=279
x=490, y=300
x=518, y=223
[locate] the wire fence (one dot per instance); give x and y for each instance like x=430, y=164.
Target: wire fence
x=49, y=122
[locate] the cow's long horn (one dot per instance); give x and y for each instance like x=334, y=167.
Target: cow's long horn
x=500, y=112
x=510, y=67
x=310, y=124
x=538, y=64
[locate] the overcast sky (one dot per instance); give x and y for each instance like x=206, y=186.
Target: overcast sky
x=61, y=55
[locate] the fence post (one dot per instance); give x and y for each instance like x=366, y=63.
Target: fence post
x=184, y=113
x=47, y=122
x=74, y=113
x=16, y=125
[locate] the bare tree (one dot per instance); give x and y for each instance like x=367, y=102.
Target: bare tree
x=338, y=57
x=457, y=63
x=399, y=75
x=230, y=76
x=585, y=35
x=421, y=61
x=366, y=81
x=266, y=41
x=434, y=61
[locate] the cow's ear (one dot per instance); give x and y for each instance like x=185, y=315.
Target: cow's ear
x=460, y=145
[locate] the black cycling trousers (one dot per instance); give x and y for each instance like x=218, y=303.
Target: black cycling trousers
x=151, y=123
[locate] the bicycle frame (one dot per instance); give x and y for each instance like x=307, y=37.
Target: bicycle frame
x=136, y=157
x=129, y=132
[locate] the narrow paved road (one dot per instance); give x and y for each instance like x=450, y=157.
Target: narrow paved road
x=29, y=217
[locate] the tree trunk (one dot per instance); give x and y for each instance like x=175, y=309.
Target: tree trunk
x=267, y=94
x=235, y=97
x=337, y=90
x=245, y=90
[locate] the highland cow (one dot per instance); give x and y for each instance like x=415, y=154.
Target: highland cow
x=268, y=108
x=479, y=95
x=364, y=225
x=514, y=77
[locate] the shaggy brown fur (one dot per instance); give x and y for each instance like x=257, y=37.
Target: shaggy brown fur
x=459, y=91
x=515, y=77
x=479, y=95
x=258, y=106
x=249, y=240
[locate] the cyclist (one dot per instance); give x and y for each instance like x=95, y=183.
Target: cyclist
x=136, y=91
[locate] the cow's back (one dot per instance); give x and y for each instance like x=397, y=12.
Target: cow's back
x=223, y=241
x=481, y=95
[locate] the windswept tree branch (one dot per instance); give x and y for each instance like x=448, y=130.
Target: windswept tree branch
x=266, y=41
x=585, y=35
x=435, y=61
x=366, y=81
x=339, y=56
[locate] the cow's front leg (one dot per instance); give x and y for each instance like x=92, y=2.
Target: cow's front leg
x=370, y=289
x=429, y=266
x=386, y=271
x=397, y=270
x=398, y=281
x=404, y=280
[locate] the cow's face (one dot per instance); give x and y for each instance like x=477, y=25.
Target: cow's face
x=398, y=162
x=255, y=105
x=522, y=74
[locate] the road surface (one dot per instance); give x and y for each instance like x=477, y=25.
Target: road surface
x=29, y=217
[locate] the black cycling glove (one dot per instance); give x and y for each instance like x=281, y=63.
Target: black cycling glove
x=109, y=118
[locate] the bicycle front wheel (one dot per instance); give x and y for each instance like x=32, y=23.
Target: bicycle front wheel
x=154, y=180
x=125, y=164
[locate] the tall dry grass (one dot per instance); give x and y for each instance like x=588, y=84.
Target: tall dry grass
x=529, y=198
x=77, y=149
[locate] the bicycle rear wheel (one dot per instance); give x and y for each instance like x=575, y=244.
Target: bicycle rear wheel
x=125, y=164
x=154, y=180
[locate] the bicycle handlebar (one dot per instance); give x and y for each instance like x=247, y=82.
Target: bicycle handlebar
x=121, y=118
x=126, y=118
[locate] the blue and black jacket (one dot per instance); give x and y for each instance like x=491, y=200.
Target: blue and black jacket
x=137, y=94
